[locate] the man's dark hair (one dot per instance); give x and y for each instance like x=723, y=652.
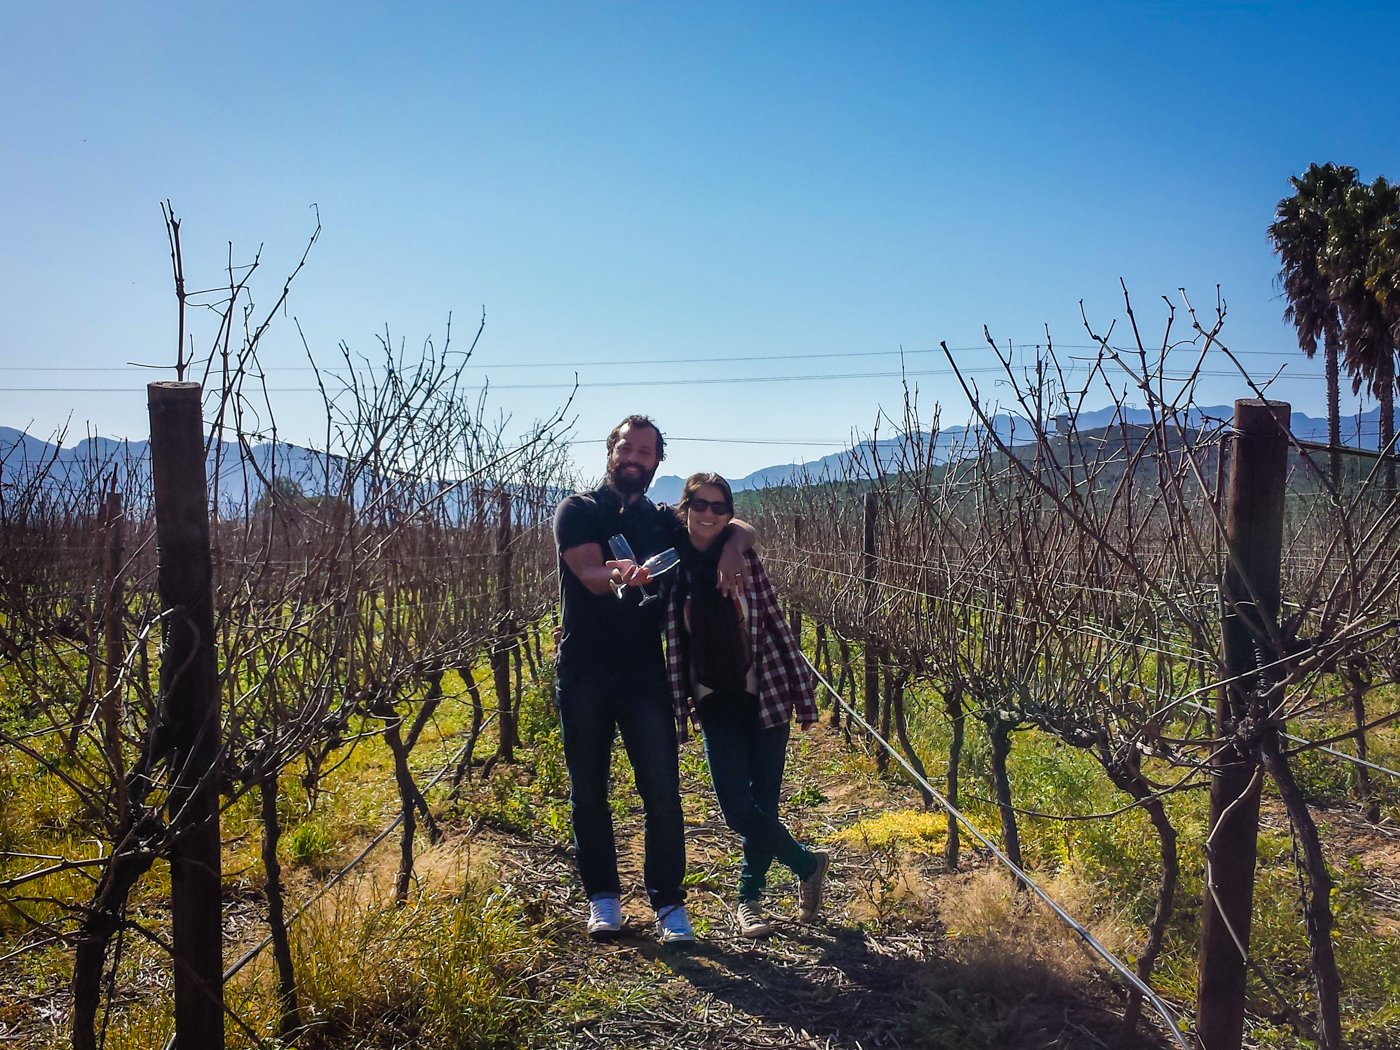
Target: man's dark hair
x=638, y=421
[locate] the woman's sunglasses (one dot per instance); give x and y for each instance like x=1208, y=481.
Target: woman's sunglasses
x=719, y=506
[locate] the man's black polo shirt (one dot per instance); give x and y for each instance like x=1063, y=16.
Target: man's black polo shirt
x=600, y=627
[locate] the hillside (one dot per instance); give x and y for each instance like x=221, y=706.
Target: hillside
x=1360, y=431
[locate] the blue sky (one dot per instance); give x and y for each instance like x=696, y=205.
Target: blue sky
x=664, y=185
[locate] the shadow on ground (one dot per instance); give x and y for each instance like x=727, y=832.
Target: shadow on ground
x=843, y=988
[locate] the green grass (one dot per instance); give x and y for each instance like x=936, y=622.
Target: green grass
x=460, y=966
x=1111, y=866
x=455, y=968
x=1118, y=856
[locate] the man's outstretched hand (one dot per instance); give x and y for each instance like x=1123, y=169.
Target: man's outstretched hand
x=629, y=573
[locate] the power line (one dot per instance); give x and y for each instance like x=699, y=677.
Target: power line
x=650, y=362
x=634, y=383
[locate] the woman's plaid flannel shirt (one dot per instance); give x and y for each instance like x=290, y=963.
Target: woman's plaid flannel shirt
x=785, y=682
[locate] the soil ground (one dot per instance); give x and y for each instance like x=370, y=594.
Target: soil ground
x=907, y=953
x=878, y=969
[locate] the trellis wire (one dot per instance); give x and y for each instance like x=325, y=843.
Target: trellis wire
x=1314, y=747
x=1118, y=965
x=253, y=952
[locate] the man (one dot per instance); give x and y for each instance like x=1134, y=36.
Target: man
x=612, y=677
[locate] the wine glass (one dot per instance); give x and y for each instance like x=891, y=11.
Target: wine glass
x=621, y=551
x=656, y=565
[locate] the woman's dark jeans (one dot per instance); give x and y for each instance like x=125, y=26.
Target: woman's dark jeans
x=746, y=766
x=595, y=702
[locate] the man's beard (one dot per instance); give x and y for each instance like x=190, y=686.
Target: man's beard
x=630, y=483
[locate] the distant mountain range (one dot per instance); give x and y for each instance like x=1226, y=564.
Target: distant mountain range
x=235, y=481
x=1013, y=430
x=240, y=481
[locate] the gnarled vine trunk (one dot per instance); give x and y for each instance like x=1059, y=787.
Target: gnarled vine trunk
x=896, y=690
x=1127, y=776
x=1318, y=908
x=999, y=729
x=132, y=859
x=289, y=1019
x=957, y=718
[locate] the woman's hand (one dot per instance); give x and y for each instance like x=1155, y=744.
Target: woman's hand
x=730, y=578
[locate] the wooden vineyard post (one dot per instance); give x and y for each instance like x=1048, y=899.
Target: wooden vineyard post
x=505, y=632
x=872, y=653
x=1254, y=534
x=190, y=691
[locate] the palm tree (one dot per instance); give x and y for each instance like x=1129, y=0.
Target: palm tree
x=1383, y=270
x=1300, y=236
x=1354, y=263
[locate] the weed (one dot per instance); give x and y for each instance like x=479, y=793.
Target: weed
x=538, y=716
x=447, y=970
x=309, y=843
x=808, y=796
x=693, y=764
x=551, y=774
x=995, y=926
x=141, y=1024
x=878, y=876
x=511, y=807
x=954, y=1018
x=9, y=811
x=916, y=830
x=704, y=878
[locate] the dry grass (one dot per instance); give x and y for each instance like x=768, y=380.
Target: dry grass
x=992, y=924
x=490, y=951
x=454, y=968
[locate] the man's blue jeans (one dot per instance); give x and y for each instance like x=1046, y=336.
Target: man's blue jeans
x=746, y=766
x=596, y=701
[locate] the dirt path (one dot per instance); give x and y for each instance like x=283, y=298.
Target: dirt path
x=877, y=971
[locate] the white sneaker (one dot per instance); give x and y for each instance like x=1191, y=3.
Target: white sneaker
x=604, y=918
x=673, y=925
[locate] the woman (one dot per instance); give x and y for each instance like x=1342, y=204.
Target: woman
x=734, y=663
